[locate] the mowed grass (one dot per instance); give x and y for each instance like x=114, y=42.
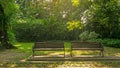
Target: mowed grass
x=17, y=57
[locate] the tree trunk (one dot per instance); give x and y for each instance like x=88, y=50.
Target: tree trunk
x=4, y=28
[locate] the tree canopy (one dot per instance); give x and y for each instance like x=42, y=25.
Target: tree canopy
x=40, y=20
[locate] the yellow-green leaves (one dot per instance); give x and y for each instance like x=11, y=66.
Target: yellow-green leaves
x=9, y=7
x=71, y=25
x=75, y=2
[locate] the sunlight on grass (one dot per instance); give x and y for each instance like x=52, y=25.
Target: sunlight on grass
x=23, y=60
x=56, y=53
x=17, y=58
x=70, y=64
x=49, y=53
x=17, y=45
x=13, y=65
x=117, y=54
x=24, y=46
x=88, y=52
x=109, y=51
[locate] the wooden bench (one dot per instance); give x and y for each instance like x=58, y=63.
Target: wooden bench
x=87, y=46
x=48, y=46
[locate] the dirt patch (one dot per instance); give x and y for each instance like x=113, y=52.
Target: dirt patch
x=11, y=55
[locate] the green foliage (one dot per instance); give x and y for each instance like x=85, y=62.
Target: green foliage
x=75, y=2
x=39, y=30
x=103, y=18
x=84, y=36
x=74, y=25
x=11, y=36
x=44, y=20
x=88, y=35
x=109, y=42
x=93, y=35
x=9, y=7
x=43, y=29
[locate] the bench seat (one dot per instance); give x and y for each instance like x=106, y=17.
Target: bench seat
x=47, y=49
x=87, y=46
x=48, y=46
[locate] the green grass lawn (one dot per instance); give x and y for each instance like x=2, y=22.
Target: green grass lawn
x=17, y=58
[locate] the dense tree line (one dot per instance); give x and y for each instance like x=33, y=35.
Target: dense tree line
x=56, y=19
x=39, y=20
x=104, y=18
x=100, y=16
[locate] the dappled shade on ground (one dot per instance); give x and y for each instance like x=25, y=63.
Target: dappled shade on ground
x=18, y=57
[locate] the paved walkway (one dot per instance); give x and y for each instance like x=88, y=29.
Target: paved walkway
x=43, y=58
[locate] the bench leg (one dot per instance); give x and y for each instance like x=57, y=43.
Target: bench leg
x=70, y=53
x=102, y=53
x=33, y=54
x=64, y=53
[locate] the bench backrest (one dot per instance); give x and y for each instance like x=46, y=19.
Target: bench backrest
x=86, y=45
x=48, y=45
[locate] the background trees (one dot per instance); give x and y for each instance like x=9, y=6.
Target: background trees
x=104, y=18
x=51, y=17
x=56, y=16
x=40, y=20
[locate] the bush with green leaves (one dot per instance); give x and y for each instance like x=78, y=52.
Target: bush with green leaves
x=11, y=37
x=104, y=18
x=84, y=36
x=93, y=35
x=111, y=42
x=108, y=42
x=88, y=35
x=42, y=30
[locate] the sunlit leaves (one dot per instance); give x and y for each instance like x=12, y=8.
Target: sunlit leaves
x=21, y=21
x=75, y=2
x=71, y=25
x=9, y=6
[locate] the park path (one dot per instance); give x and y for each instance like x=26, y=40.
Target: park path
x=11, y=55
x=13, y=58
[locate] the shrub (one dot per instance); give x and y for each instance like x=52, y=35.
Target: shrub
x=88, y=35
x=11, y=37
x=111, y=42
x=43, y=30
x=108, y=42
x=93, y=35
x=84, y=36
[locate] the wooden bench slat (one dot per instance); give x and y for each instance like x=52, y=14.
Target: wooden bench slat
x=50, y=49
x=48, y=46
x=87, y=46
